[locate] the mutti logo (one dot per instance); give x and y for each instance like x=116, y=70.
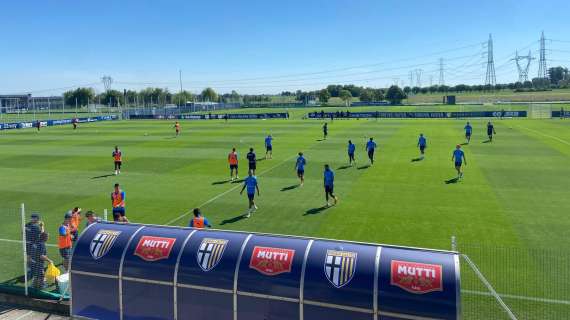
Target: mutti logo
x=154, y=248
x=416, y=277
x=271, y=261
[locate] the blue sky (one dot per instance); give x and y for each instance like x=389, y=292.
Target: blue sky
x=267, y=46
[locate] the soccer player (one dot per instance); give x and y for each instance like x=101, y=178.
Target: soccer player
x=199, y=221
x=468, y=130
x=118, y=157
x=38, y=125
x=64, y=240
x=91, y=218
x=329, y=185
x=351, y=149
x=233, y=161
x=177, y=128
x=490, y=131
x=75, y=122
x=562, y=115
x=422, y=144
x=458, y=157
x=251, y=184
x=370, y=148
x=325, y=131
x=251, y=160
x=75, y=221
x=300, y=167
x=268, y=147
x=118, y=203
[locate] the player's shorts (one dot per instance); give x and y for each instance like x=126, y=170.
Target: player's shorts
x=325, y=133
x=118, y=165
x=65, y=253
x=252, y=166
x=422, y=148
x=329, y=189
x=351, y=155
x=251, y=196
x=458, y=164
x=233, y=166
x=268, y=148
x=118, y=212
x=300, y=172
x=468, y=134
x=371, y=153
x=489, y=133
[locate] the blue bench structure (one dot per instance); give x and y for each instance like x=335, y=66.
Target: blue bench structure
x=131, y=271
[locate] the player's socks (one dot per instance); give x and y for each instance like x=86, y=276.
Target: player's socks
x=255, y=206
x=335, y=200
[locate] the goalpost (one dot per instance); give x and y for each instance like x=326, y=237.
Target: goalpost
x=540, y=111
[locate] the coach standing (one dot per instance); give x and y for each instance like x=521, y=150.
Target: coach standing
x=118, y=202
x=64, y=240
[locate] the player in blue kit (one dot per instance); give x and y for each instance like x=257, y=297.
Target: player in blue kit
x=468, y=131
x=328, y=177
x=422, y=144
x=251, y=184
x=458, y=158
x=370, y=148
x=300, y=167
x=268, y=147
x=351, y=149
x=490, y=131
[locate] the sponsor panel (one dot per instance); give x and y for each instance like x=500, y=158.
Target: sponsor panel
x=271, y=261
x=153, y=249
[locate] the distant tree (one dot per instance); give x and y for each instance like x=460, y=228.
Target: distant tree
x=366, y=95
x=415, y=90
x=334, y=90
x=346, y=96
x=181, y=98
x=378, y=94
x=557, y=73
x=324, y=95
x=395, y=95
x=407, y=90
x=82, y=95
x=540, y=83
x=209, y=94
x=112, y=98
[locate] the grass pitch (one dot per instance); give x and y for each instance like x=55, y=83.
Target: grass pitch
x=514, y=193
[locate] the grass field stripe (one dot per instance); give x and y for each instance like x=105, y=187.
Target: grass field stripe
x=545, y=135
x=20, y=241
x=511, y=296
x=228, y=191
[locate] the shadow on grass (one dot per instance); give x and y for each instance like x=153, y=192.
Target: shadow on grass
x=290, y=187
x=168, y=138
x=319, y=140
x=220, y=182
x=464, y=143
x=417, y=159
x=233, y=220
x=315, y=210
x=487, y=141
x=451, y=181
x=238, y=181
x=103, y=176
x=363, y=167
x=343, y=167
x=260, y=159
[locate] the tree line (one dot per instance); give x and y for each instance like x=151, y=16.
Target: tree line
x=559, y=77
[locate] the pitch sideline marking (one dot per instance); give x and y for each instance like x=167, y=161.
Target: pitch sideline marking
x=20, y=241
x=228, y=191
x=510, y=296
x=545, y=135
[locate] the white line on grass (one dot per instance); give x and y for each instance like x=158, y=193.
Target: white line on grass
x=545, y=135
x=228, y=191
x=20, y=241
x=511, y=296
x=24, y=315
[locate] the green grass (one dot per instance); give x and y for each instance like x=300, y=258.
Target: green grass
x=515, y=191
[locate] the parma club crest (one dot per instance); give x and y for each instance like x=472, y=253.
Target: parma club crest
x=102, y=242
x=210, y=253
x=340, y=267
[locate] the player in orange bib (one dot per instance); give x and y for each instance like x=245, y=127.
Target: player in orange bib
x=177, y=128
x=118, y=157
x=233, y=161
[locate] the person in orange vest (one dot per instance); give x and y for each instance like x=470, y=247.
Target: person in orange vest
x=75, y=220
x=199, y=221
x=118, y=157
x=64, y=242
x=233, y=161
x=118, y=202
x=177, y=128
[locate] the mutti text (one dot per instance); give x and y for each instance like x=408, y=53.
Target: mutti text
x=272, y=255
x=417, y=271
x=161, y=244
